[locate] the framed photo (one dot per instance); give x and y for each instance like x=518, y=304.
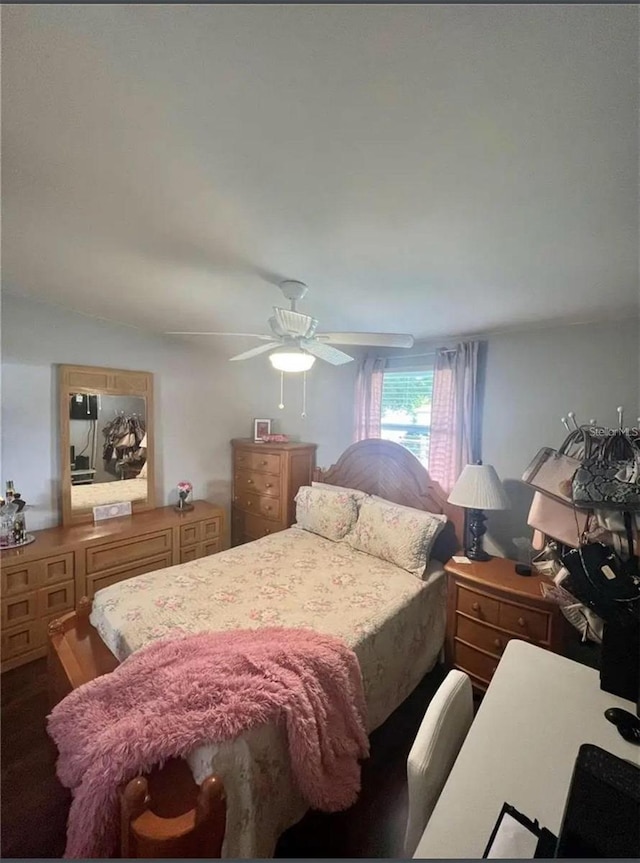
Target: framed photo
x=261, y=428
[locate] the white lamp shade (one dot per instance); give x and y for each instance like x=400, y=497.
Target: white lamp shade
x=292, y=361
x=478, y=487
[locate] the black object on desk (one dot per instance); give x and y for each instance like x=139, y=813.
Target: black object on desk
x=602, y=812
x=523, y=569
x=502, y=836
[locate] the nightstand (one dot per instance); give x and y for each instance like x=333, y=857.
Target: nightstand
x=488, y=605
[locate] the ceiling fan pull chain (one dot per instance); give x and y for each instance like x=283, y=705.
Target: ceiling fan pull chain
x=304, y=395
x=281, y=405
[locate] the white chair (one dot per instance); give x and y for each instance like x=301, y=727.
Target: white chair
x=434, y=751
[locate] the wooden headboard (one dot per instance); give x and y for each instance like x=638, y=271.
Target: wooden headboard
x=388, y=470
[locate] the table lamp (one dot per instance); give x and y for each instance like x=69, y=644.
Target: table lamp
x=478, y=488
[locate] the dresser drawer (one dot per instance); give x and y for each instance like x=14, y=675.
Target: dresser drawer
x=103, y=557
x=18, y=640
x=527, y=622
x=266, y=506
x=477, y=605
x=474, y=662
x=56, y=598
x=190, y=533
x=18, y=578
x=263, y=462
x=192, y=552
x=201, y=549
x=256, y=527
x=19, y=609
x=98, y=581
x=211, y=528
x=259, y=483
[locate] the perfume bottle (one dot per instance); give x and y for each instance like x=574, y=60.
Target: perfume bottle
x=10, y=492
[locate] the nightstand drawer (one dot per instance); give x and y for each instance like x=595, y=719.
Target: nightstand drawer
x=478, y=606
x=480, y=635
x=476, y=663
x=525, y=621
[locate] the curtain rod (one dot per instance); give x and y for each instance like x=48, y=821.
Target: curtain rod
x=419, y=356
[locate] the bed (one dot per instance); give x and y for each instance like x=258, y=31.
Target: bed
x=98, y=494
x=392, y=620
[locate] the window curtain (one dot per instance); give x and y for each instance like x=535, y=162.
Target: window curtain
x=455, y=413
x=369, y=398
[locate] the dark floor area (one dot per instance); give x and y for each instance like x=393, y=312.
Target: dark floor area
x=34, y=805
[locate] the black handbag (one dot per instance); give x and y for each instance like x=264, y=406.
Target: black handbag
x=609, y=477
x=604, y=582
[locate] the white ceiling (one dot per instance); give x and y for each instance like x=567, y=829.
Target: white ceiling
x=428, y=169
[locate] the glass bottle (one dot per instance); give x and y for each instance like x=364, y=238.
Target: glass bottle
x=10, y=492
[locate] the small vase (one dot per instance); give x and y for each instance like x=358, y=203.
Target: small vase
x=182, y=505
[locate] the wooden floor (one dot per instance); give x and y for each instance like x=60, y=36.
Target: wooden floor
x=34, y=805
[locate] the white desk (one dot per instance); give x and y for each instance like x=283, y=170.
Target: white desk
x=521, y=749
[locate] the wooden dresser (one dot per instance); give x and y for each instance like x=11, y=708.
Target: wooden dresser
x=488, y=605
x=266, y=479
x=47, y=578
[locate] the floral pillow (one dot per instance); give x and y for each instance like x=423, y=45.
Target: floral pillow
x=331, y=514
x=399, y=534
x=354, y=492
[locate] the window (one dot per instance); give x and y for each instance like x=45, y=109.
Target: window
x=406, y=410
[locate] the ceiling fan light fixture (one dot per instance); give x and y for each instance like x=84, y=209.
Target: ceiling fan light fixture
x=291, y=360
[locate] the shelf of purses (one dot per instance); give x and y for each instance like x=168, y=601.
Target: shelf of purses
x=585, y=515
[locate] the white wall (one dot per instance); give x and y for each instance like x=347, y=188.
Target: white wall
x=532, y=379
x=201, y=402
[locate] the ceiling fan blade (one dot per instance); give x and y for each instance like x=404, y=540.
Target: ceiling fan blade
x=325, y=352
x=292, y=323
x=254, y=352
x=247, y=335
x=381, y=340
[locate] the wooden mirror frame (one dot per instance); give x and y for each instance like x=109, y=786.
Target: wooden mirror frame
x=94, y=380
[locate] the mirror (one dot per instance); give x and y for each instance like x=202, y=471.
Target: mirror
x=106, y=440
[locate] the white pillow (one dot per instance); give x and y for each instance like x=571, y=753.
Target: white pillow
x=400, y=534
x=328, y=513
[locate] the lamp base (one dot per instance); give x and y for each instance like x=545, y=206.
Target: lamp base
x=477, y=529
x=480, y=556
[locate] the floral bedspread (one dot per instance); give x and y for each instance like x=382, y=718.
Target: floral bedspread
x=392, y=620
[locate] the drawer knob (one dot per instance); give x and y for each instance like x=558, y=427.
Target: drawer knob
x=268, y=484
x=264, y=462
x=250, y=481
x=497, y=642
x=248, y=503
x=268, y=508
x=521, y=621
x=267, y=530
x=475, y=606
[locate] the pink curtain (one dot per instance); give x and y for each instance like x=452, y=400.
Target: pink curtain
x=368, y=406
x=455, y=414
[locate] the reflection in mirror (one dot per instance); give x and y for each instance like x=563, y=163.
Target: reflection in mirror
x=107, y=438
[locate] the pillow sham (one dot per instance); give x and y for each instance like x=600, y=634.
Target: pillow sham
x=356, y=493
x=400, y=534
x=328, y=513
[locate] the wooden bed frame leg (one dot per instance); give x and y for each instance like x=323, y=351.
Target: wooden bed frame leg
x=158, y=821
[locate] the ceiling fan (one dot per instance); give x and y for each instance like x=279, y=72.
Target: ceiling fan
x=294, y=342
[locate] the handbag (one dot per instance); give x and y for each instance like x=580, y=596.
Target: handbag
x=610, y=478
x=603, y=582
x=556, y=519
x=552, y=471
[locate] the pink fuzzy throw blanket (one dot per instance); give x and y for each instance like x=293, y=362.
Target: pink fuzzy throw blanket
x=179, y=693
